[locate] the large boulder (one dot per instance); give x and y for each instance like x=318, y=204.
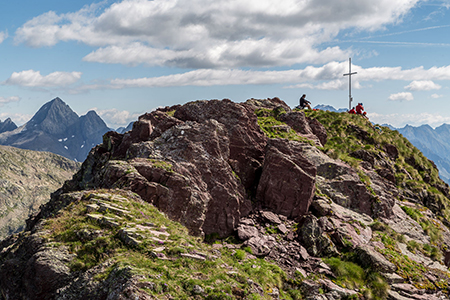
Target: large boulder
x=369, y=257
x=314, y=239
x=345, y=186
x=287, y=181
x=301, y=124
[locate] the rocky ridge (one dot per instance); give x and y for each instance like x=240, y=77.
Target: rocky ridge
x=315, y=198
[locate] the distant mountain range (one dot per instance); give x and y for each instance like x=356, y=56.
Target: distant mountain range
x=434, y=144
x=58, y=129
x=329, y=108
x=125, y=129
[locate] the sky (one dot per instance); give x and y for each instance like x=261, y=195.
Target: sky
x=125, y=58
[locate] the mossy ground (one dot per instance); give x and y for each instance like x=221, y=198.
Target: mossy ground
x=227, y=273
x=343, y=140
x=410, y=270
x=273, y=128
x=352, y=276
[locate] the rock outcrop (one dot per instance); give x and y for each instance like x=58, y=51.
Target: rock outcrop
x=343, y=210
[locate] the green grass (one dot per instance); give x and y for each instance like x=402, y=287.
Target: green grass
x=223, y=277
x=407, y=268
x=267, y=120
x=352, y=276
x=343, y=139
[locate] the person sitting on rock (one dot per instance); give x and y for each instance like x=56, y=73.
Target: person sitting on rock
x=304, y=103
x=352, y=111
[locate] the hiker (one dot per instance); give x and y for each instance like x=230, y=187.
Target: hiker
x=304, y=103
x=359, y=110
x=352, y=111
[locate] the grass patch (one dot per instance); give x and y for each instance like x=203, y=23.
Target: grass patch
x=223, y=277
x=352, y=276
x=412, y=170
x=273, y=128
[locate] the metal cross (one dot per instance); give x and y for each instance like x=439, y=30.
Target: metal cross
x=349, y=74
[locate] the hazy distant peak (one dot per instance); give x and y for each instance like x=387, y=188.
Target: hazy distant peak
x=7, y=125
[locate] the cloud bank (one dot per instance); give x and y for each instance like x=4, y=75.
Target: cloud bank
x=404, y=96
x=422, y=85
x=212, y=34
x=400, y=120
x=31, y=78
x=5, y=100
x=329, y=76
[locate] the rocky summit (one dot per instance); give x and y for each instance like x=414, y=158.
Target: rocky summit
x=223, y=200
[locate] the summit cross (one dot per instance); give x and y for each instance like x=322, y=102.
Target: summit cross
x=349, y=74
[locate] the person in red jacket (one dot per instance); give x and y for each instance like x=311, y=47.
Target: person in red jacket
x=352, y=111
x=359, y=110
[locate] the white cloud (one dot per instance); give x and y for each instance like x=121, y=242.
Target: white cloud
x=5, y=100
x=331, y=75
x=212, y=34
x=422, y=85
x=31, y=78
x=116, y=118
x=338, y=84
x=3, y=36
x=417, y=119
x=436, y=96
x=404, y=96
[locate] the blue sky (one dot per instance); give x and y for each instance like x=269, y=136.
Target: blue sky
x=125, y=58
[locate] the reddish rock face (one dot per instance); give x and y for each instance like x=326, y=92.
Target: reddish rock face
x=287, y=182
x=391, y=150
x=306, y=127
x=246, y=140
x=202, y=166
x=186, y=174
x=319, y=130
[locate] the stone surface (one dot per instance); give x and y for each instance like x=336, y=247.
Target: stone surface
x=312, y=236
x=368, y=256
x=287, y=181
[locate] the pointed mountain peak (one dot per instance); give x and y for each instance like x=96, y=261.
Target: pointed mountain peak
x=7, y=125
x=91, y=122
x=53, y=117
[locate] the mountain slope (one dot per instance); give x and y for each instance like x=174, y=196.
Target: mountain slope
x=56, y=128
x=27, y=178
x=293, y=205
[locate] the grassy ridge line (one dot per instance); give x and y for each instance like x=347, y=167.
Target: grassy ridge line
x=342, y=141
